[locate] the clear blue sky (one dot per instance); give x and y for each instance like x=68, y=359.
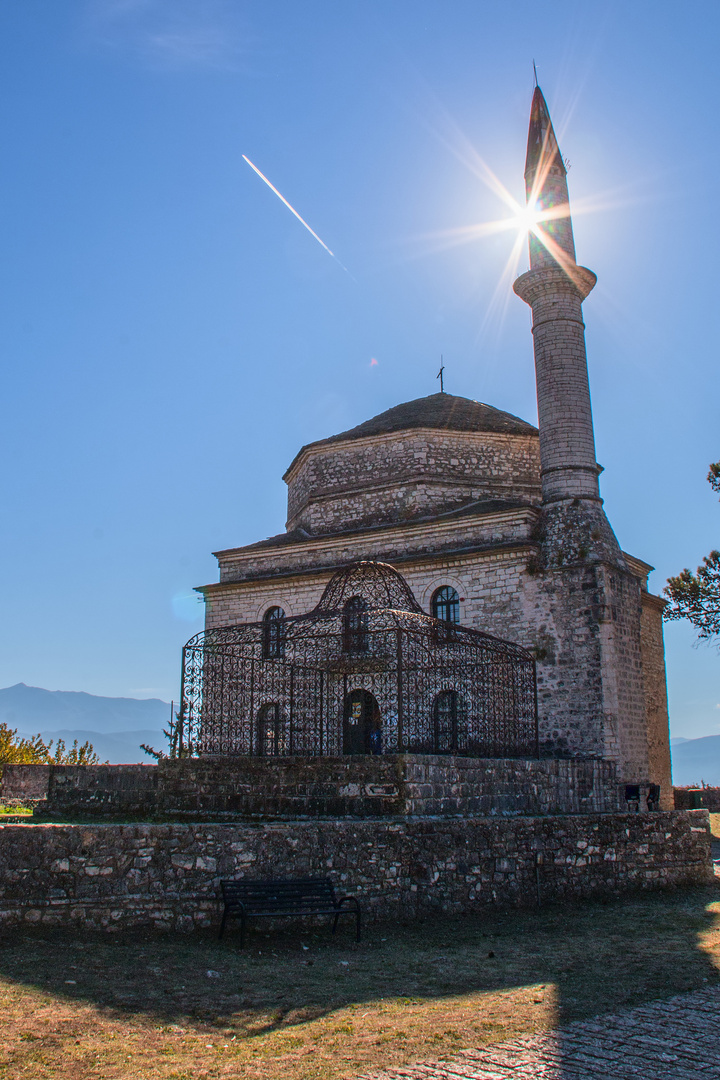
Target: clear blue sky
x=171, y=334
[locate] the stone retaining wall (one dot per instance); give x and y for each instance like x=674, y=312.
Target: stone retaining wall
x=168, y=876
x=242, y=788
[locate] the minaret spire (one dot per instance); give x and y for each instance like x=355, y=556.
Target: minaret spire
x=555, y=288
x=546, y=189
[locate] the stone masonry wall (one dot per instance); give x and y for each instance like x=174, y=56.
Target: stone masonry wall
x=403, y=474
x=365, y=786
x=167, y=876
x=655, y=692
x=620, y=625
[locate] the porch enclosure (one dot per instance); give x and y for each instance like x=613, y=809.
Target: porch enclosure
x=367, y=671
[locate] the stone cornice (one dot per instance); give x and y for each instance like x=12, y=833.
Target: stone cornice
x=500, y=490
x=651, y=600
x=402, y=542
x=410, y=529
x=638, y=568
x=434, y=557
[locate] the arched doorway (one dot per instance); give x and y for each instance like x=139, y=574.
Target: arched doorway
x=362, y=724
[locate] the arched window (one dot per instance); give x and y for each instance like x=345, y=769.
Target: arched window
x=446, y=604
x=270, y=731
x=273, y=633
x=355, y=622
x=449, y=716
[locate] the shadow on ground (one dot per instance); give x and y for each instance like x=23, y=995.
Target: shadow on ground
x=303, y=997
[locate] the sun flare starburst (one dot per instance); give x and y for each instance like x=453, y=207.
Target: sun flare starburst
x=521, y=220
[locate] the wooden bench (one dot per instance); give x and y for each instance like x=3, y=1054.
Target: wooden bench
x=297, y=896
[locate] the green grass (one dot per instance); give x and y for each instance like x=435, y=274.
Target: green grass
x=300, y=1005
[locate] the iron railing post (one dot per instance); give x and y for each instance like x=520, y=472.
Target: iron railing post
x=537, y=721
x=182, y=704
x=251, y=718
x=400, y=692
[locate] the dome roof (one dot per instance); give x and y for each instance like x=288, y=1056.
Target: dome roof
x=444, y=412
x=379, y=584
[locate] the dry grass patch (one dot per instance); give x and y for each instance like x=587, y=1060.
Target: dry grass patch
x=301, y=1006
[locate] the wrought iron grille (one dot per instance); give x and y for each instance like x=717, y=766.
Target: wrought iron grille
x=379, y=676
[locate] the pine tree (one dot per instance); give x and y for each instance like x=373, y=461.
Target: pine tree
x=696, y=597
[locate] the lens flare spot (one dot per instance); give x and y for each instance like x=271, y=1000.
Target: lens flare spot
x=187, y=607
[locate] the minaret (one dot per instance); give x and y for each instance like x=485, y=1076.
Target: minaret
x=597, y=693
x=555, y=287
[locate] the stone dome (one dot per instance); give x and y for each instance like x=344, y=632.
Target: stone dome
x=425, y=457
x=441, y=412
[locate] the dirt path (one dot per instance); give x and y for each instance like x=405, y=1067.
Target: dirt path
x=677, y=1039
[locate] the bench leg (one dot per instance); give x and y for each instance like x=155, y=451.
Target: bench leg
x=357, y=922
x=242, y=931
x=222, y=924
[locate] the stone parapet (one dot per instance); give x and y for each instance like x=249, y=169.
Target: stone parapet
x=690, y=798
x=242, y=788
x=167, y=876
x=24, y=783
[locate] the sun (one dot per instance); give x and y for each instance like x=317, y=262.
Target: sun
x=528, y=217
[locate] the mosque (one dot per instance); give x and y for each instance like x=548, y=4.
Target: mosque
x=448, y=581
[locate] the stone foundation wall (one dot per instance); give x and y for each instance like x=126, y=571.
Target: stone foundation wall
x=339, y=787
x=167, y=876
x=435, y=785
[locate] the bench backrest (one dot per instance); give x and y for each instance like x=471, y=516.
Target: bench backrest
x=282, y=895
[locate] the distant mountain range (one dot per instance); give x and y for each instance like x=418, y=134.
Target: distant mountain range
x=696, y=761
x=115, y=726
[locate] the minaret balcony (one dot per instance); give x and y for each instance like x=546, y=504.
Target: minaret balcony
x=545, y=281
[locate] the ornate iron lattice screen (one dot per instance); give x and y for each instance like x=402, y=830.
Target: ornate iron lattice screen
x=432, y=687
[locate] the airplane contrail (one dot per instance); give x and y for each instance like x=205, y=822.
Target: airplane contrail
x=294, y=211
